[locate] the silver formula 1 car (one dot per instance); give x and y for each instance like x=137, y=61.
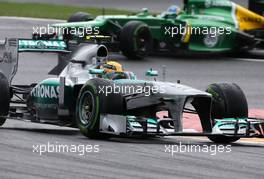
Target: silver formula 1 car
x=85, y=96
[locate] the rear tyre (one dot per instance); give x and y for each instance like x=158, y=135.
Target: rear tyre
x=135, y=40
x=91, y=103
x=2, y=120
x=4, y=98
x=80, y=17
x=228, y=101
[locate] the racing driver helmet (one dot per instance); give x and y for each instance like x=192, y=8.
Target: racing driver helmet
x=113, y=70
x=172, y=11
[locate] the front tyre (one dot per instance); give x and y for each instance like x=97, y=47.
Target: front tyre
x=228, y=101
x=135, y=40
x=88, y=112
x=91, y=103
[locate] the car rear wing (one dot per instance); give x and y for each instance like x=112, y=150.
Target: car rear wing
x=29, y=45
x=10, y=49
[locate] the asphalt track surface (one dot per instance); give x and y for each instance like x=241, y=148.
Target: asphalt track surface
x=129, y=158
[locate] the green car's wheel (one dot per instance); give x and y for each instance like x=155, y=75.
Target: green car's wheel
x=76, y=17
x=256, y=6
x=80, y=17
x=136, y=40
x=91, y=103
x=229, y=101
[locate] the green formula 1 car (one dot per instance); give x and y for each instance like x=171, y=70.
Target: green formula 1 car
x=98, y=96
x=202, y=26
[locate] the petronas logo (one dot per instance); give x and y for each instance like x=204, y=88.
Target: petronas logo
x=41, y=45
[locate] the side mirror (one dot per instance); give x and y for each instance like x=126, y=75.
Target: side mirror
x=152, y=73
x=95, y=71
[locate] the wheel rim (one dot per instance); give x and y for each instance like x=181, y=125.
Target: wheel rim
x=86, y=108
x=141, y=44
x=142, y=40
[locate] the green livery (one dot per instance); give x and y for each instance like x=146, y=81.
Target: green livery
x=202, y=26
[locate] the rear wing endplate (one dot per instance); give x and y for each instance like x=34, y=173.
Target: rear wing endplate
x=10, y=48
x=9, y=58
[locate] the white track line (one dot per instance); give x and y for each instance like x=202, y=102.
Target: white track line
x=250, y=60
x=30, y=19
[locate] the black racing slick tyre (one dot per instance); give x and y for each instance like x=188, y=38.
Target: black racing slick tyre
x=92, y=102
x=2, y=120
x=80, y=17
x=135, y=40
x=4, y=98
x=228, y=101
x=256, y=6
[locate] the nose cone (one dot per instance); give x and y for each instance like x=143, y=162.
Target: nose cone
x=248, y=20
